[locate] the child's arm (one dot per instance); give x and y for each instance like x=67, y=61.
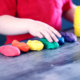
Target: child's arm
x=69, y=15
x=13, y=26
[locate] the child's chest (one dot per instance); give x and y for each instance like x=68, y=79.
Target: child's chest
x=38, y=8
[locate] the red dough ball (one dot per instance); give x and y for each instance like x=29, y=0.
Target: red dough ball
x=9, y=50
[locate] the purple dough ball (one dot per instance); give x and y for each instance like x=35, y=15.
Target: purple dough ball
x=69, y=37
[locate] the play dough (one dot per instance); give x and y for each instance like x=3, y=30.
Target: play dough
x=35, y=45
x=61, y=40
x=9, y=50
x=21, y=45
x=69, y=37
x=49, y=45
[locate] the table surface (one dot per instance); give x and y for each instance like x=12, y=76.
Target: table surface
x=57, y=64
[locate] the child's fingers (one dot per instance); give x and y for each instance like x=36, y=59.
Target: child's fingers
x=46, y=35
x=55, y=31
x=38, y=34
x=50, y=34
x=53, y=36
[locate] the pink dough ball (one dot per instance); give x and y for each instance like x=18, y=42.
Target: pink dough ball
x=9, y=50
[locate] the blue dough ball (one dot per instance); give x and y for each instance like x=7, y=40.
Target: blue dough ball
x=61, y=40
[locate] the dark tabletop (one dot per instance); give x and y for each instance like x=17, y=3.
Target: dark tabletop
x=57, y=64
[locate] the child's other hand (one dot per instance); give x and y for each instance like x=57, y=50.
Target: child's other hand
x=41, y=30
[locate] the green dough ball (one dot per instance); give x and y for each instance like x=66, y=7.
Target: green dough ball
x=56, y=44
x=49, y=45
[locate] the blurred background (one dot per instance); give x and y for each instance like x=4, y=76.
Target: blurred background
x=65, y=25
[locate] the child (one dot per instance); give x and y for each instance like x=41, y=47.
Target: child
x=23, y=19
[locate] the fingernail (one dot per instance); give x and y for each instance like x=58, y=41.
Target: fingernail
x=51, y=40
x=59, y=35
x=56, y=40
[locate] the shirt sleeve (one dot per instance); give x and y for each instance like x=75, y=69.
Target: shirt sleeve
x=67, y=5
x=8, y=7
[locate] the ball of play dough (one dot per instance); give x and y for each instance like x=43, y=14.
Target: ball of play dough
x=35, y=45
x=21, y=45
x=69, y=37
x=56, y=45
x=61, y=40
x=49, y=45
x=9, y=50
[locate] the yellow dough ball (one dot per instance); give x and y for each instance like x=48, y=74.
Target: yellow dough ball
x=35, y=45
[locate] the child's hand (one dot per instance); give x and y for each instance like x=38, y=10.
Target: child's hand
x=41, y=30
